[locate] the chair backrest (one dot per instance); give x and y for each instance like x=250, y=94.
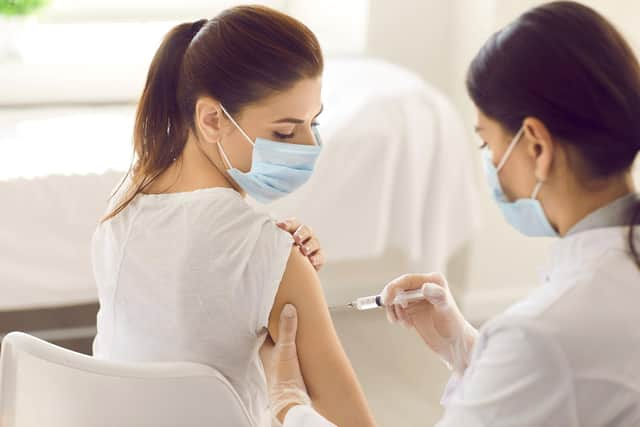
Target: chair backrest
x=42, y=384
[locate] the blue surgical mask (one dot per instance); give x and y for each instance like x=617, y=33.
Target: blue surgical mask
x=277, y=168
x=525, y=215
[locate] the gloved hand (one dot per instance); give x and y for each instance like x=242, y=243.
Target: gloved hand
x=437, y=319
x=282, y=369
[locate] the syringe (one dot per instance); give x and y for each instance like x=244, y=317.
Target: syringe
x=375, y=301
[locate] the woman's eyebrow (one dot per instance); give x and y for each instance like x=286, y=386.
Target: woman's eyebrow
x=298, y=121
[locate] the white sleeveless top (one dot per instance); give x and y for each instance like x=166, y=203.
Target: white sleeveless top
x=190, y=277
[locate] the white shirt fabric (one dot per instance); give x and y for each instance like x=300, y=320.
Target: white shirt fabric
x=566, y=356
x=191, y=277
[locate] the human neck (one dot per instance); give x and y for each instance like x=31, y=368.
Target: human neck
x=195, y=168
x=581, y=201
x=201, y=165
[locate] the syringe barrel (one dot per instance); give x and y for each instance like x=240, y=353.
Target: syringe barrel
x=367, y=303
x=408, y=296
x=375, y=301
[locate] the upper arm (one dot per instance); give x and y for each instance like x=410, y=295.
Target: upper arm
x=517, y=376
x=330, y=379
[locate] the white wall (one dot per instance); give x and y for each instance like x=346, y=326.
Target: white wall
x=438, y=39
x=340, y=26
x=414, y=33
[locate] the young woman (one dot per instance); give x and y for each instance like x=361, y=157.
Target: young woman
x=186, y=269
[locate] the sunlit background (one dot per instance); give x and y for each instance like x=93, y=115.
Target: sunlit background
x=398, y=188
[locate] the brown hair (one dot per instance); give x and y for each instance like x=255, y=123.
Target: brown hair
x=241, y=56
x=566, y=65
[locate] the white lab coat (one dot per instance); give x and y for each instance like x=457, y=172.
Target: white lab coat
x=568, y=355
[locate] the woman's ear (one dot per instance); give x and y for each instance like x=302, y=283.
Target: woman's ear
x=540, y=146
x=208, y=120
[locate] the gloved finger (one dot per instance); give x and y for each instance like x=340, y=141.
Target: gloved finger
x=402, y=315
x=399, y=312
x=389, y=293
x=396, y=312
x=437, y=278
x=391, y=314
x=436, y=295
x=392, y=288
x=310, y=247
x=407, y=282
x=286, y=344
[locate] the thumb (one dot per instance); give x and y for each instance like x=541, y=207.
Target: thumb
x=436, y=295
x=288, y=328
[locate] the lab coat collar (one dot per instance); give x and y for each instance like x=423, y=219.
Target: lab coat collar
x=587, y=241
x=571, y=258
x=616, y=214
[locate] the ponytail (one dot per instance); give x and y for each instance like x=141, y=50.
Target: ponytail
x=160, y=133
x=635, y=219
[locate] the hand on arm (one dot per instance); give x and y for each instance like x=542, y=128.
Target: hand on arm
x=305, y=239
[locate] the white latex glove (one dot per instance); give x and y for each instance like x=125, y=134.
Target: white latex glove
x=437, y=319
x=282, y=368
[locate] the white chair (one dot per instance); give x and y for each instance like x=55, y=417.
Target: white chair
x=45, y=385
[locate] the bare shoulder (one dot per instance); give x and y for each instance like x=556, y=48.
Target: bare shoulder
x=301, y=287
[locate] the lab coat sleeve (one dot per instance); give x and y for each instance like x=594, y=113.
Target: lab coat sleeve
x=517, y=376
x=305, y=416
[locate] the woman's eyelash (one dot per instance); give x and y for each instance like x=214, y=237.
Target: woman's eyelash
x=290, y=135
x=283, y=136
x=484, y=145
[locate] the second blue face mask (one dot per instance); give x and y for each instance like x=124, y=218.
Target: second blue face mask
x=277, y=168
x=525, y=215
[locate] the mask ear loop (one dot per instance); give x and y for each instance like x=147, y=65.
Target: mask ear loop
x=225, y=159
x=536, y=190
x=511, y=147
x=247, y=137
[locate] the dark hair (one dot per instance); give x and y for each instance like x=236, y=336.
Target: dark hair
x=241, y=56
x=569, y=67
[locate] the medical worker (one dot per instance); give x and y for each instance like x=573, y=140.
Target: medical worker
x=558, y=112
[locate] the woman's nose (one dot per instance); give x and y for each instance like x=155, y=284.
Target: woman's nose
x=308, y=137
